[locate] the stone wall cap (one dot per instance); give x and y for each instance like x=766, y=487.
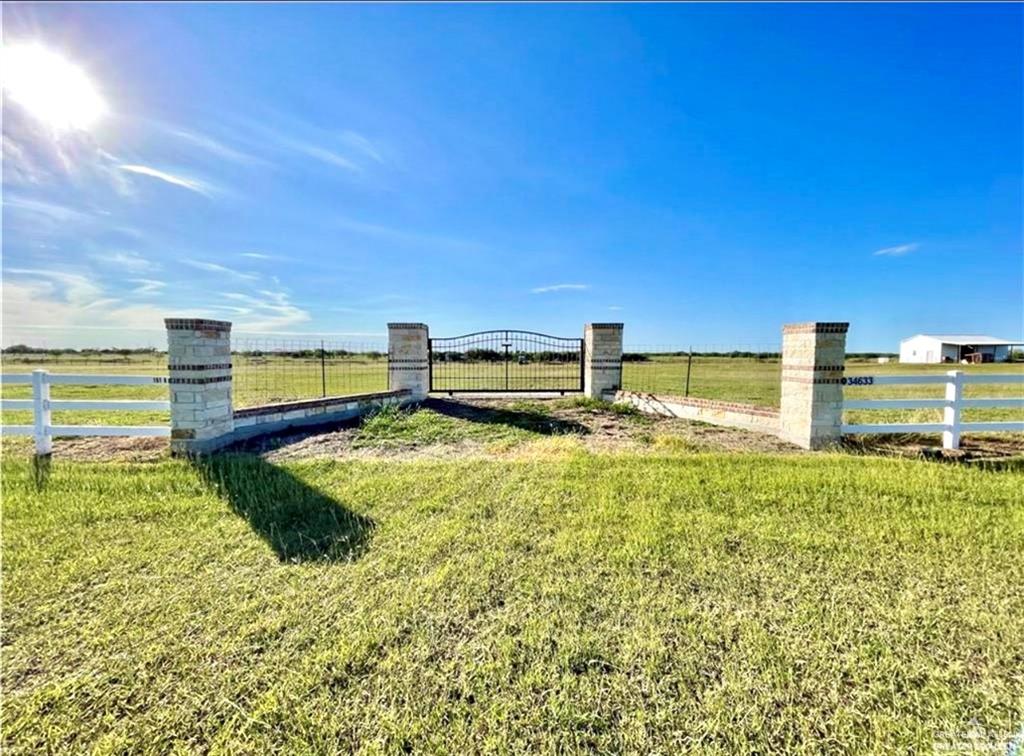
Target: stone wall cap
x=270, y=409
x=407, y=325
x=196, y=324
x=605, y=325
x=710, y=404
x=816, y=327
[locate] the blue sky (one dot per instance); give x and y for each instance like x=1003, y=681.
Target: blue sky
x=703, y=173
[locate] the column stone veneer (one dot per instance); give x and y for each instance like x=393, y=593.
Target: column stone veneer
x=199, y=367
x=602, y=359
x=813, y=359
x=409, y=358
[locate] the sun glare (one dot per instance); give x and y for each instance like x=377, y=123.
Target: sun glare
x=49, y=87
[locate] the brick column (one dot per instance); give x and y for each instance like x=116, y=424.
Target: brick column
x=199, y=363
x=602, y=359
x=813, y=359
x=409, y=358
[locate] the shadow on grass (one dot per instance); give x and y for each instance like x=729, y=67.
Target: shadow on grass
x=41, y=470
x=993, y=455
x=298, y=522
x=535, y=422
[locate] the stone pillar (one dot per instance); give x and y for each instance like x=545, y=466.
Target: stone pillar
x=199, y=364
x=602, y=359
x=813, y=359
x=409, y=358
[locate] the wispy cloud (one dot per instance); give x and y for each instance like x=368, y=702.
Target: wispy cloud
x=147, y=286
x=406, y=236
x=193, y=185
x=324, y=155
x=265, y=310
x=39, y=157
x=131, y=261
x=261, y=256
x=59, y=308
x=616, y=308
x=560, y=287
x=348, y=150
x=363, y=145
x=213, y=146
x=77, y=289
x=902, y=249
x=217, y=268
x=42, y=307
x=51, y=211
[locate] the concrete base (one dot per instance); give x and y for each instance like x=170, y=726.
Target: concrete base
x=195, y=448
x=729, y=414
x=271, y=419
x=275, y=418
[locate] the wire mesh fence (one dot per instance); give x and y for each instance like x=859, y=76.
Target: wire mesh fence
x=270, y=370
x=749, y=373
x=114, y=361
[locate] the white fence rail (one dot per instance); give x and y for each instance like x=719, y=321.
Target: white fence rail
x=952, y=405
x=43, y=430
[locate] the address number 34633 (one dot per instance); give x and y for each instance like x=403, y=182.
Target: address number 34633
x=858, y=380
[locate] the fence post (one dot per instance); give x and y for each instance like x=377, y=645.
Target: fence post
x=811, y=406
x=689, y=362
x=323, y=371
x=602, y=360
x=41, y=412
x=199, y=369
x=951, y=413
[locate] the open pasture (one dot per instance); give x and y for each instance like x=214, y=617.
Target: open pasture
x=545, y=598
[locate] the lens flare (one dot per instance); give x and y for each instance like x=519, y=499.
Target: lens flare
x=50, y=88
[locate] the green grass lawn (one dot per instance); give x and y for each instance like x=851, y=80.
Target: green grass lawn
x=735, y=379
x=643, y=603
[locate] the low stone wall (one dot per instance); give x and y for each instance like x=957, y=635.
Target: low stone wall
x=274, y=418
x=731, y=414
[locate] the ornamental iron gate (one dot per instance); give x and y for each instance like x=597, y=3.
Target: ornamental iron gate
x=506, y=361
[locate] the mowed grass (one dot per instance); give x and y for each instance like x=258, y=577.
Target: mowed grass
x=734, y=379
x=642, y=603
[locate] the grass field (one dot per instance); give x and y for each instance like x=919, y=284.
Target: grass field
x=737, y=379
x=555, y=600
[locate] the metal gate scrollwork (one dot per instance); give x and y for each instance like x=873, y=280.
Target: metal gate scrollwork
x=506, y=361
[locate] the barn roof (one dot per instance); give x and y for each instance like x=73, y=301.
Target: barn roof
x=961, y=339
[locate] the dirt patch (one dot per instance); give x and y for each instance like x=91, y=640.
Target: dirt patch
x=104, y=449
x=559, y=426
x=976, y=448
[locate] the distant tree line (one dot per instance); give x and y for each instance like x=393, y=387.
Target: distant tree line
x=646, y=356
x=25, y=349
x=309, y=354
x=306, y=354
x=495, y=355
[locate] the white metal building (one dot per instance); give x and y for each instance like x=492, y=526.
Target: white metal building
x=932, y=348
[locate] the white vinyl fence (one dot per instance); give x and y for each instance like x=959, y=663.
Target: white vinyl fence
x=952, y=405
x=41, y=405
